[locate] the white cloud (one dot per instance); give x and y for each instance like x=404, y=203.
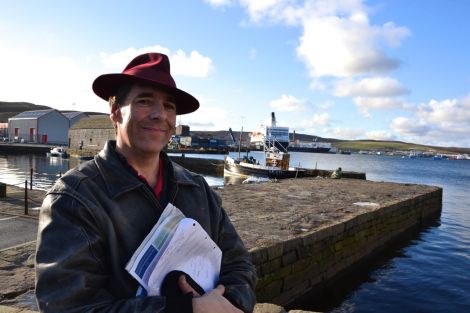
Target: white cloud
x=58, y=81
x=314, y=124
x=394, y=35
x=346, y=45
x=379, y=103
x=337, y=38
x=365, y=104
x=219, y=3
x=260, y=9
x=252, y=54
x=288, y=103
x=64, y=82
x=207, y=117
x=324, y=105
x=380, y=135
x=444, y=123
x=409, y=127
x=345, y=133
x=373, y=93
x=447, y=114
x=192, y=65
x=316, y=120
x=370, y=87
x=117, y=61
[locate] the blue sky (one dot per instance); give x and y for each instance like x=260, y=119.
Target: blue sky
x=382, y=69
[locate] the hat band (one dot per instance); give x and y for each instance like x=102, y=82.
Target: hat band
x=153, y=76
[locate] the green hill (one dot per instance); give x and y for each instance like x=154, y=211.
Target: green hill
x=358, y=145
x=351, y=145
x=10, y=109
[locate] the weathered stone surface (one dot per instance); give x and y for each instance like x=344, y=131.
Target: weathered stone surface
x=17, y=276
x=9, y=309
x=269, y=213
x=268, y=308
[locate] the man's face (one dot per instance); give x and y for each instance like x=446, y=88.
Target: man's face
x=144, y=122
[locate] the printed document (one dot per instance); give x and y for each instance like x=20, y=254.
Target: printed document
x=175, y=243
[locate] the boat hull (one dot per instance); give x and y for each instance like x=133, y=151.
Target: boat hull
x=232, y=167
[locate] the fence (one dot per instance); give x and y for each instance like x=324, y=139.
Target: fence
x=19, y=198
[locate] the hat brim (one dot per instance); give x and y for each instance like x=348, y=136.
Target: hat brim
x=107, y=85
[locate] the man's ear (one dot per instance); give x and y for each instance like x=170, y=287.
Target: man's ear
x=115, y=114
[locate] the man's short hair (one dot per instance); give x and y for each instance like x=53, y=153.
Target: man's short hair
x=120, y=96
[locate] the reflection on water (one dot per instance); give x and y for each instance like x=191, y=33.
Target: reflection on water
x=15, y=169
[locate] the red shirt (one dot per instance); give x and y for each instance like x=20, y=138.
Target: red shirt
x=157, y=190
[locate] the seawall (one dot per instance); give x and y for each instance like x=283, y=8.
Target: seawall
x=304, y=233
x=25, y=148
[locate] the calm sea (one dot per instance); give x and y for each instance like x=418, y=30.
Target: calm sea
x=428, y=272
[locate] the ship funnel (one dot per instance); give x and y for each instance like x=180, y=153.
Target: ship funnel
x=273, y=119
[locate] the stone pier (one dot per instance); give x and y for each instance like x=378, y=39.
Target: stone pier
x=301, y=233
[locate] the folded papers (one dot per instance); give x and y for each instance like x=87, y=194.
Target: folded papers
x=175, y=243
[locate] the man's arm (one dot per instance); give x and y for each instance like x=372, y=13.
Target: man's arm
x=71, y=271
x=237, y=274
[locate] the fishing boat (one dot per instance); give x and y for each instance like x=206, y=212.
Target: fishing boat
x=58, y=152
x=276, y=164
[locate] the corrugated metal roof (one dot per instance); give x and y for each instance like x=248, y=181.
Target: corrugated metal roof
x=32, y=114
x=71, y=115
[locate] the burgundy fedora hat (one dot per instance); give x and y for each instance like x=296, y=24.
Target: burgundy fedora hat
x=150, y=69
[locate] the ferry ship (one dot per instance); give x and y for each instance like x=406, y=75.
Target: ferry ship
x=273, y=135
x=313, y=147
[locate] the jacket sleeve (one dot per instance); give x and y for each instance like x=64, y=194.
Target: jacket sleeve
x=237, y=274
x=70, y=272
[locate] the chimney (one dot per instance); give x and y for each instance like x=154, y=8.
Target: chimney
x=273, y=119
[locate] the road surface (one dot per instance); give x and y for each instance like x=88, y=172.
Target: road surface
x=15, y=230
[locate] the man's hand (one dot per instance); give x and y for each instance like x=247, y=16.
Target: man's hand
x=211, y=302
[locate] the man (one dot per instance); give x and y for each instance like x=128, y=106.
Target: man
x=96, y=215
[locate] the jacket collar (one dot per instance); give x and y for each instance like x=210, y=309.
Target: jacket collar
x=119, y=177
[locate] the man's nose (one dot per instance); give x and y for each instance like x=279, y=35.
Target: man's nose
x=157, y=110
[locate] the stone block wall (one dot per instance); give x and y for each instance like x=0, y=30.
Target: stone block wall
x=288, y=270
x=93, y=139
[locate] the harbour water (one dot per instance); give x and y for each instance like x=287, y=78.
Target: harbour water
x=427, y=272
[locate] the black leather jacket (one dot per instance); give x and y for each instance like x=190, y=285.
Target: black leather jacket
x=95, y=217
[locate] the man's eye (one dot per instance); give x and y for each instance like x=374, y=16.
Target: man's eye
x=143, y=101
x=170, y=106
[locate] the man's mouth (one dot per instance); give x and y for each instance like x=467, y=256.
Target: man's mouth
x=155, y=129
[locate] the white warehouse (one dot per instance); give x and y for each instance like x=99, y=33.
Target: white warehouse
x=41, y=126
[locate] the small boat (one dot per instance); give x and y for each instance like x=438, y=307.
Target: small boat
x=58, y=152
x=276, y=165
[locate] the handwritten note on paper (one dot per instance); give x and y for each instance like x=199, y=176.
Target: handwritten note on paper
x=192, y=251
